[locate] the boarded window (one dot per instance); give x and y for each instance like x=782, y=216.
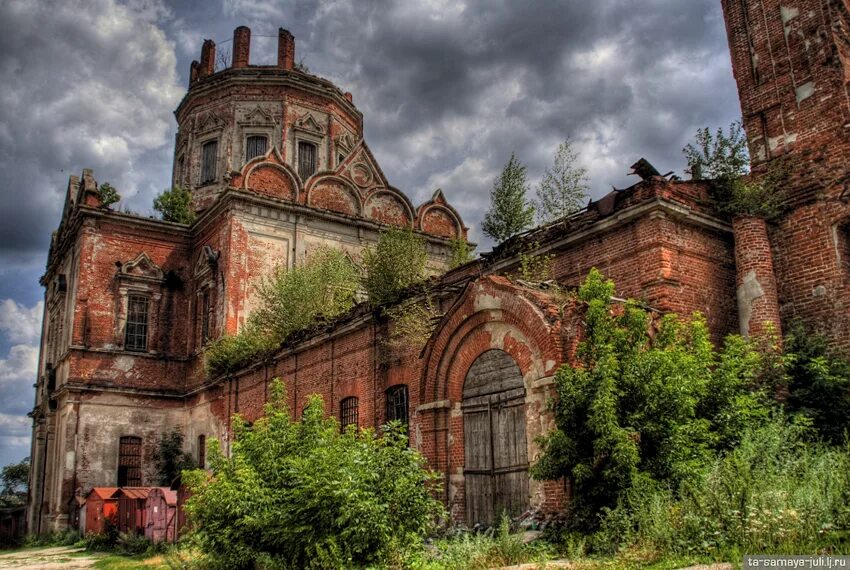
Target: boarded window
x=209, y=155
x=130, y=461
x=306, y=160
x=397, y=403
x=136, y=332
x=205, y=316
x=255, y=146
x=202, y=451
x=348, y=412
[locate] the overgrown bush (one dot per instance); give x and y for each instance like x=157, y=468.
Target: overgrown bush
x=673, y=445
x=324, y=286
x=291, y=299
x=640, y=405
x=229, y=353
x=303, y=495
x=394, y=264
x=170, y=458
x=175, y=205
x=818, y=383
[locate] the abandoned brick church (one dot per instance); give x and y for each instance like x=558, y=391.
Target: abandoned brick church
x=277, y=166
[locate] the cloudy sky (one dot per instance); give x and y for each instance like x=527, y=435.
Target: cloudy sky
x=448, y=89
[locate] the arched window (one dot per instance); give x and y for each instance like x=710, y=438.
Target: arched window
x=348, y=412
x=130, y=461
x=397, y=403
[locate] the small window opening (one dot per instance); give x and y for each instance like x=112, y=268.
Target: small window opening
x=181, y=166
x=209, y=155
x=136, y=332
x=202, y=451
x=397, y=403
x=130, y=461
x=306, y=160
x=348, y=412
x=205, y=316
x=255, y=145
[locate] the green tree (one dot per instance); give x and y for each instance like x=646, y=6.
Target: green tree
x=107, y=194
x=724, y=159
x=510, y=210
x=305, y=495
x=170, y=458
x=15, y=480
x=719, y=156
x=394, y=264
x=175, y=205
x=563, y=189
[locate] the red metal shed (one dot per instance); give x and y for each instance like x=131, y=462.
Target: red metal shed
x=99, y=507
x=131, y=509
x=161, y=507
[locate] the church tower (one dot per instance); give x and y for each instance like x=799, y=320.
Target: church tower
x=791, y=60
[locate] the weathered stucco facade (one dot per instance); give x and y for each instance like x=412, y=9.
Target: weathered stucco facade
x=278, y=167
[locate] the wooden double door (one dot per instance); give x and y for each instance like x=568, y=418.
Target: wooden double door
x=494, y=439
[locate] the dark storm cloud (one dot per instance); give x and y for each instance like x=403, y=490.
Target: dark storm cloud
x=87, y=84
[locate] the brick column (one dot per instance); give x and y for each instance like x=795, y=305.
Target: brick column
x=285, y=49
x=207, y=59
x=758, y=299
x=241, y=46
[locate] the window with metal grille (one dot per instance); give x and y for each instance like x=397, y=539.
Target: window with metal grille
x=397, y=403
x=255, y=146
x=136, y=332
x=205, y=316
x=306, y=160
x=202, y=451
x=209, y=155
x=348, y=412
x=130, y=461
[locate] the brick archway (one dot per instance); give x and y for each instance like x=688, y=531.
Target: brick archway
x=492, y=313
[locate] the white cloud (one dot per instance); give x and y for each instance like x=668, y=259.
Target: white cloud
x=21, y=324
x=17, y=376
x=89, y=84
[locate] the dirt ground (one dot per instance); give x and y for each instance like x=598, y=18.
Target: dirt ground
x=63, y=557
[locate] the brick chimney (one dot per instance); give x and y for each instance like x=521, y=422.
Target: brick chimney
x=207, y=59
x=285, y=49
x=241, y=46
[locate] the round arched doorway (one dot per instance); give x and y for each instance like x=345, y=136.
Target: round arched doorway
x=494, y=439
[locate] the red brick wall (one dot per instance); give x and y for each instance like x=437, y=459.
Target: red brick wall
x=790, y=62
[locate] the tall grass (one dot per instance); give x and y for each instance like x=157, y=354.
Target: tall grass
x=776, y=492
